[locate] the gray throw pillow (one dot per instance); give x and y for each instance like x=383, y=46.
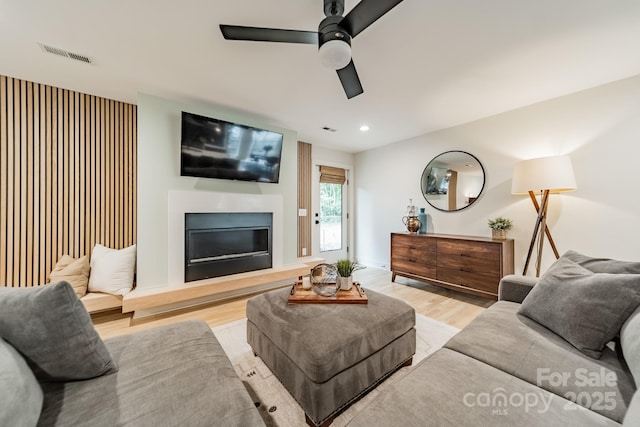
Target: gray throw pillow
x=603, y=265
x=20, y=394
x=52, y=330
x=585, y=308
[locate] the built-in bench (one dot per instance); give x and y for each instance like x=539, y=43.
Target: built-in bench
x=148, y=301
x=96, y=302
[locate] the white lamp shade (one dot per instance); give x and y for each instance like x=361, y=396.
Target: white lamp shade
x=546, y=173
x=335, y=54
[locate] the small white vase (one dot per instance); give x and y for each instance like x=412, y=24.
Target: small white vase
x=345, y=283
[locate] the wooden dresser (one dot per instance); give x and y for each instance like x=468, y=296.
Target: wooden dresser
x=469, y=264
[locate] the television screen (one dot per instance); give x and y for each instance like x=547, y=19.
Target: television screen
x=213, y=148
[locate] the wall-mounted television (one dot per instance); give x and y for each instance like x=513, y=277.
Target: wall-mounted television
x=213, y=148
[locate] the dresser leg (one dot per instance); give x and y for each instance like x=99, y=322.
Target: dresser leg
x=393, y=276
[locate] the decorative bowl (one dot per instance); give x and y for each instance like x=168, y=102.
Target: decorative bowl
x=324, y=280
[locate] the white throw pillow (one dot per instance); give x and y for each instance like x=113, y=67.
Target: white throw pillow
x=112, y=270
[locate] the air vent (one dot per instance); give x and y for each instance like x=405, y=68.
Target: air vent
x=66, y=54
x=328, y=129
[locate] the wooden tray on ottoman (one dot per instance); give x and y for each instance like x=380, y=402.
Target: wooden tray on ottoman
x=306, y=296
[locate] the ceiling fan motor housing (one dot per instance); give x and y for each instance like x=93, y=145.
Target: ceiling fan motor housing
x=330, y=29
x=334, y=43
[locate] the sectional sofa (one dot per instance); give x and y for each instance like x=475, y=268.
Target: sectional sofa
x=507, y=369
x=56, y=371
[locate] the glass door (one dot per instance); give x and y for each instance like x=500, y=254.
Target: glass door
x=331, y=219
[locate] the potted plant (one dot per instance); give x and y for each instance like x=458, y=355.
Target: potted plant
x=499, y=227
x=345, y=268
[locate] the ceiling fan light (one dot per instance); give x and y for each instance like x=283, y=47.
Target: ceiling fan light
x=335, y=54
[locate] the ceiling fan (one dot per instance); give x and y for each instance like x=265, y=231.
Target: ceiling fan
x=333, y=36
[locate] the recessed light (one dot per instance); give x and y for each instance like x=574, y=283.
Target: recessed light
x=364, y=128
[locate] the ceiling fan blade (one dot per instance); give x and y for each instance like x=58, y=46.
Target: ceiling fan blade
x=366, y=13
x=350, y=81
x=236, y=32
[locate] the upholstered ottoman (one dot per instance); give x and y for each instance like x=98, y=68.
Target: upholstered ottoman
x=328, y=355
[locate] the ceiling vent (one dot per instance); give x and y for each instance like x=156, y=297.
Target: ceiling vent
x=66, y=54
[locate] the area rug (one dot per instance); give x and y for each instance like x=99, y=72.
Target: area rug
x=276, y=405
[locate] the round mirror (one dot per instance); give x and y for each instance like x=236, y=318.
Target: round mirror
x=452, y=181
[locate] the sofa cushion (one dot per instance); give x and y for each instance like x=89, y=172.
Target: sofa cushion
x=112, y=270
x=74, y=271
x=603, y=265
x=451, y=389
x=51, y=328
x=630, y=343
x=20, y=393
x=585, y=308
x=519, y=346
x=174, y=375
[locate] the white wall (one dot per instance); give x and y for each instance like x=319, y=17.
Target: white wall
x=598, y=128
x=159, y=122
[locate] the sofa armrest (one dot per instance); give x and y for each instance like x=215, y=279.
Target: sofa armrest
x=515, y=288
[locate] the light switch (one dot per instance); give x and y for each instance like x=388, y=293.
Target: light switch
x=302, y=212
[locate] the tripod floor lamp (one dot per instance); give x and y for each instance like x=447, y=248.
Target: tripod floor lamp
x=544, y=175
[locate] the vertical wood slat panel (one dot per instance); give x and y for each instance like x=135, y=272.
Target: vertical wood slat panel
x=67, y=177
x=27, y=122
x=304, y=196
x=17, y=181
x=10, y=179
x=43, y=182
x=3, y=175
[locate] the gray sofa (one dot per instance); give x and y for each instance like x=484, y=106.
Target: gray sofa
x=56, y=371
x=505, y=369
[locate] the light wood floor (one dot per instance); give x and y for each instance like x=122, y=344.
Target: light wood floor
x=454, y=308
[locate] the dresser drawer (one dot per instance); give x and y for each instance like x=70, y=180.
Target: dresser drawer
x=414, y=243
x=469, y=264
x=414, y=255
x=419, y=269
x=475, y=280
x=482, y=250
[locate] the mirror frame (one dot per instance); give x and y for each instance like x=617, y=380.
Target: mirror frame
x=422, y=180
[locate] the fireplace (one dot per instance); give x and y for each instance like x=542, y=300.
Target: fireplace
x=219, y=244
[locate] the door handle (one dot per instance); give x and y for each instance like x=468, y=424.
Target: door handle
x=317, y=221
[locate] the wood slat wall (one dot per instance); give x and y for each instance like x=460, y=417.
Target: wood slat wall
x=304, y=196
x=67, y=177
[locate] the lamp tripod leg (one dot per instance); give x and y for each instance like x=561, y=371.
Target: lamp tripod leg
x=546, y=229
x=542, y=213
x=541, y=224
x=534, y=236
